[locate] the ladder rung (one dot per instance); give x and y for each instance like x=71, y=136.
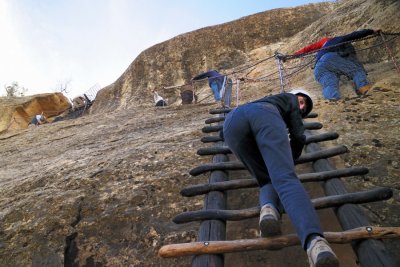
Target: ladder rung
x=237, y=165
x=377, y=194
x=274, y=243
x=248, y=183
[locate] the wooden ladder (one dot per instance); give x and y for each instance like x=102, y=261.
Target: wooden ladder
x=212, y=244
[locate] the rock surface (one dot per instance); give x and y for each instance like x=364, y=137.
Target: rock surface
x=101, y=190
x=17, y=112
x=221, y=47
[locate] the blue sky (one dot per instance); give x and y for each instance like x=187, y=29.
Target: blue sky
x=46, y=43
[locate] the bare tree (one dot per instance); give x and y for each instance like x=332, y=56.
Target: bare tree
x=15, y=90
x=63, y=86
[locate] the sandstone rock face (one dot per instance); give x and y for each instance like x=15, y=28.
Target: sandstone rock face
x=226, y=46
x=353, y=15
x=220, y=47
x=17, y=112
x=102, y=189
x=97, y=190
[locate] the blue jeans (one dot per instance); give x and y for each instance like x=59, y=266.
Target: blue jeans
x=34, y=121
x=329, y=68
x=215, y=90
x=257, y=135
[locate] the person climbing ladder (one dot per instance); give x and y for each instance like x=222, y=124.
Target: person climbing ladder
x=340, y=59
x=256, y=133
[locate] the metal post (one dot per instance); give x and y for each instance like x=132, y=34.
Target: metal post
x=193, y=92
x=222, y=92
x=278, y=57
x=237, y=91
x=390, y=52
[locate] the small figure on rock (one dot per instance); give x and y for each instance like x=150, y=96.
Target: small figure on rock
x=257, y=133
x=38, y=120
x=159, y=100
x=340, y=59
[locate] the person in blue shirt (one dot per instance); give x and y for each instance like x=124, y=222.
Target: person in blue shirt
x=38, y=120
x=339, y=60
x=217, y=82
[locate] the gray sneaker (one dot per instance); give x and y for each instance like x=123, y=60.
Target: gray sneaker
x=320, y=254
x=269, y=221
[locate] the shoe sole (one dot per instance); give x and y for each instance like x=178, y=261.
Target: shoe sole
x=328, y=261
x=270, y=227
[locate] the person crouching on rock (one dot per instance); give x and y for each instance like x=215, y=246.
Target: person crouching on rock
x=159, y=100
x=38, y=120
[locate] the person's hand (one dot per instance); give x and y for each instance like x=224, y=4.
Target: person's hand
x=281, y=56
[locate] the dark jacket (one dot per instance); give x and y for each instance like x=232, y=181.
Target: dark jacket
x=346, y=49
x=289, y=109
x=212, y=76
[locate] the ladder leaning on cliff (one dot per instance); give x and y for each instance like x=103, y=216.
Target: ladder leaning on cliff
x=211, y=244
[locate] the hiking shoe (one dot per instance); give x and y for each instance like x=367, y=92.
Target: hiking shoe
x=363, y=90
x=320, y=254
x=269, y=221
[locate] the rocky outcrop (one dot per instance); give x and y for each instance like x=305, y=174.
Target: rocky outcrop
x=350, y=16
x=219, y=47
x=17, y=112
x=229, y=45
